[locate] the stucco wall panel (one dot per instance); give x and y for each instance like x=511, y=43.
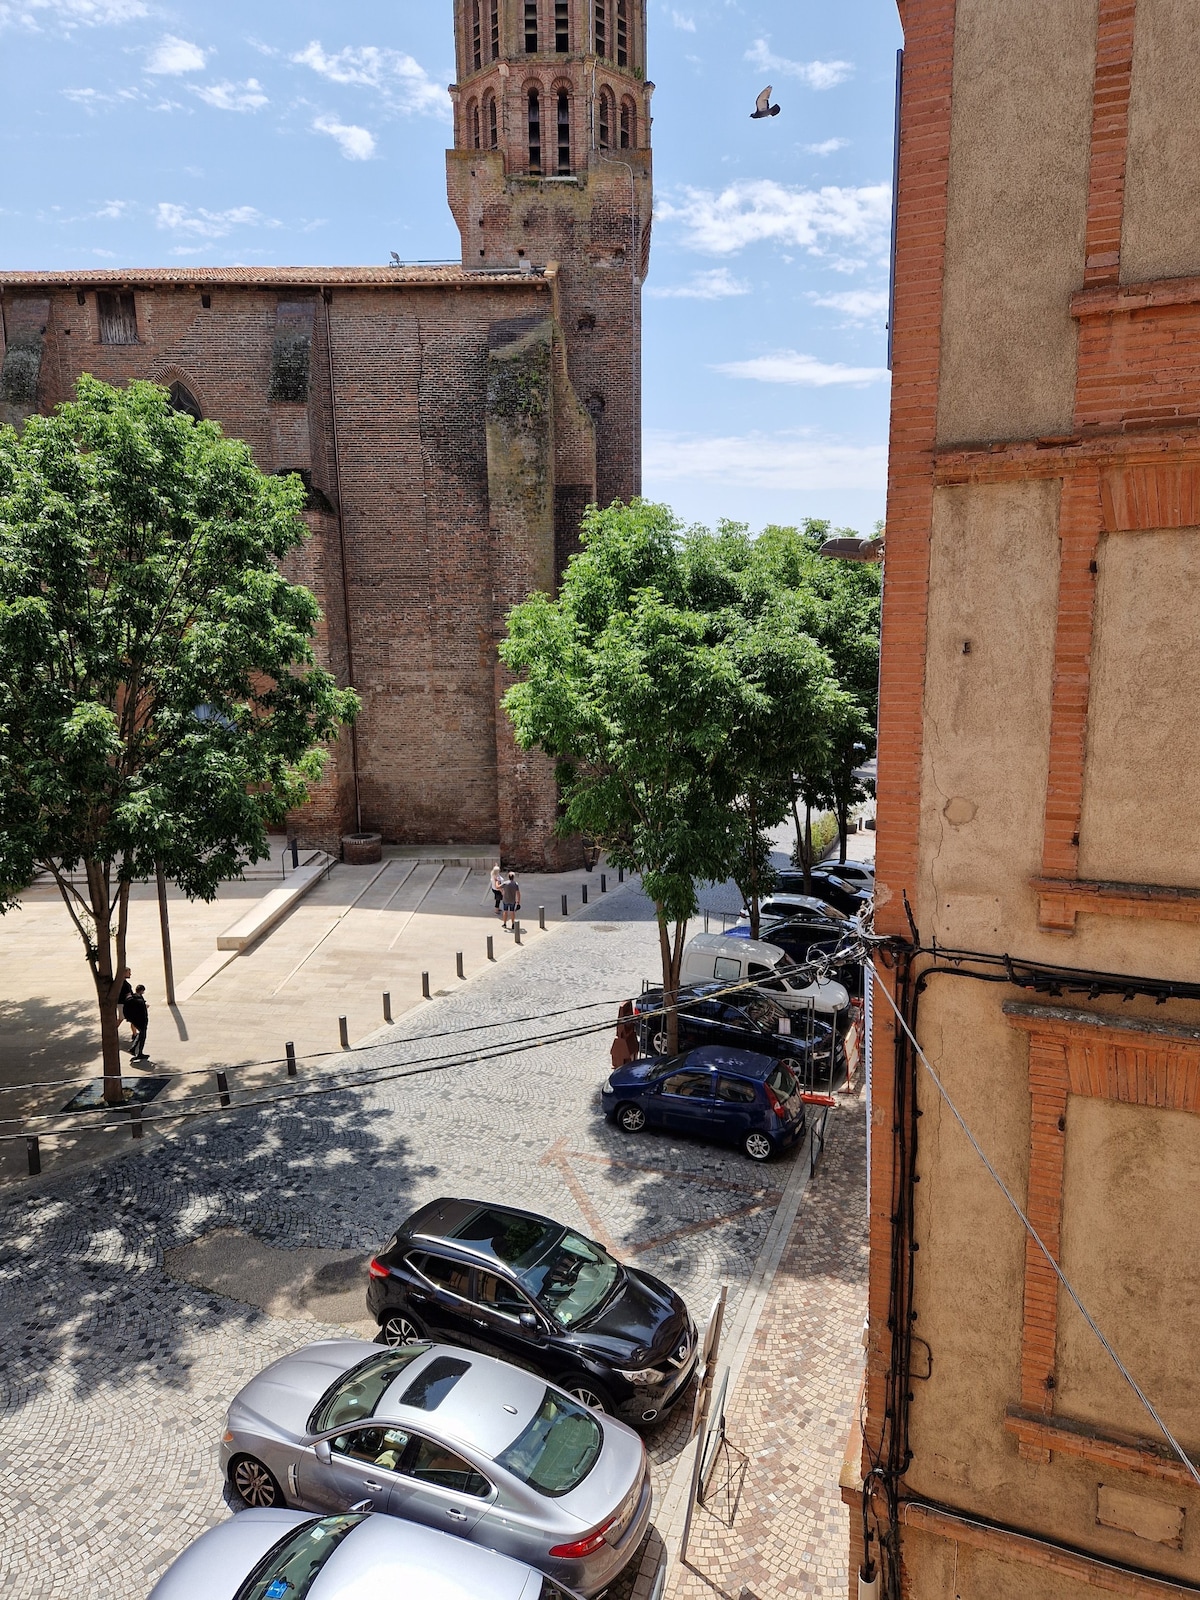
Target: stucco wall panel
x=1139, y=821
x=1161, y=233
x=1021, y=132
x=993, y=582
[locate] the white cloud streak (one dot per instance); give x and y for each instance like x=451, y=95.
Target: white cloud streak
x=814, y=74
x=759, y=210
x=859, y=305
x=764, y=461
x=226, y=96
x=789, y=366
x=356, y=143
x=66, y=15
x=172, y=56
x=826, y=147
x=719, y=284
x=397, y=77
x=683, y=22
x=202, y=224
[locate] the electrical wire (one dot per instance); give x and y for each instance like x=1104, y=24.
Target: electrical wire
x=1170, y=1438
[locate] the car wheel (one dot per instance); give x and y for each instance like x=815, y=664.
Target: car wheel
x=658, y=1043
x=253, y=1483
x=588, y=1393
x=758, y=1147
x=400, y=1327
x=631, y=1118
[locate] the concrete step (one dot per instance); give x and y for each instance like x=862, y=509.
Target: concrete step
x=265, y=913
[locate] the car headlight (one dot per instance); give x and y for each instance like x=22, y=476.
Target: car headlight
x=642, y=1377
x=607, y=1089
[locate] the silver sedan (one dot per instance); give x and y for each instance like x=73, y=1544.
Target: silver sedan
x=270, y=1555
x=448, y=1437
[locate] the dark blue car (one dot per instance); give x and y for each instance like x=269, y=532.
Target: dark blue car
x=735, y=1096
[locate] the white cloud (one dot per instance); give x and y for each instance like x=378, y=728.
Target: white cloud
x=789, y=366
x=791, y=460
x=826, y=147
x=203, y=224
x=816, y=74
x=683, y=22
x=111, y=211
x=760, y=209
x=719, y=284
x=172, y=56
x=400, y=79
x=860, y=305
x=356, y=143
x=228, y=96
x=69, y=14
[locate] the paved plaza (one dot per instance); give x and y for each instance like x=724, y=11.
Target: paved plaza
x=139, y=1292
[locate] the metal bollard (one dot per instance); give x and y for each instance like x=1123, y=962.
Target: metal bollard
x=583, y=898
x=387, y=1006
x=564, y=900
x=517, y=931
x=620, y=874
x=34, y=1151
x=491, y=948
x=541, y=917
x=458, y=963
x=222, y=1090
x=706, y=922
x=425, y=985
x=344, y=1033
x=603, y=884
x=136, y=1124
x=295, y=852
x=290, y=1051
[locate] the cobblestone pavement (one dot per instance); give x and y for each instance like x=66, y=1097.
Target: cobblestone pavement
x=115, y=1374
x=773, y=1524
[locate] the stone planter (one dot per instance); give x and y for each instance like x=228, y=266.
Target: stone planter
x=361, y=849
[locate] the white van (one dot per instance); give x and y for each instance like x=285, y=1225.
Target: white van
x=710, y=957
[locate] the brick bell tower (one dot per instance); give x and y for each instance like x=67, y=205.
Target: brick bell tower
x=551, y=162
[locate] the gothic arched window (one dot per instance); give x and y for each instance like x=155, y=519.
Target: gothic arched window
x=535, y=131
x=628, y=125
x=607, y=119
x=491, y=122
x=622, y=33
x=564, y=132
x=181, y=398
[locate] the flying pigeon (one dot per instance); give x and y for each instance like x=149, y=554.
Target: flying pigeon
x=763, y=106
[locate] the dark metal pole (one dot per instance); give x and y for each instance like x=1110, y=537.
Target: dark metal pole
x=290, y=1048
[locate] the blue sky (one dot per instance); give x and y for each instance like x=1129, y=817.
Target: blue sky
x=138, y=133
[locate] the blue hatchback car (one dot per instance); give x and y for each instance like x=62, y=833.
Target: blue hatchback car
x=735, y=1096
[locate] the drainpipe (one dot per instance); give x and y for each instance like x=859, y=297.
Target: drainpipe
x=326, y=297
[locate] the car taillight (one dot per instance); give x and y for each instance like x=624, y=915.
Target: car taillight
x=376, y=1268
x=586, y=1546
x=775, y=1103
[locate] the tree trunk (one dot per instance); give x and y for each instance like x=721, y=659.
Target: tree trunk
x=108, y=977
x=669, y=1023
x=808, y=848
x=842, y=804
x=754, y=921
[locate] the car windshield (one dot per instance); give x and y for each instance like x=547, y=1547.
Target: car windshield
x=517, y=1241
x=288, y=1569
x=356, y=1393
x=557, y=1450
x=762, y=1012
x=571, y=1280
x=783, y=1081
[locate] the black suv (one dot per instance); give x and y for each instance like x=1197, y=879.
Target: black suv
x=533, y=1292
x=825, y=884
x=709, y=1015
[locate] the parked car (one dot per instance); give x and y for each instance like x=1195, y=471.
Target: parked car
x=843, y=894
x=269, y=1554
x=530, y=1290
x=802, y=939
x=735, y=1096
x=706, y=1016
x=861, y=873
x=446, y=1437
x=779, y=906
x=714, y=957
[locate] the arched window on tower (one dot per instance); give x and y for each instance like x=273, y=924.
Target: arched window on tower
x=601, y=28
x=491, y=122
x=531, y=27
x=180, y=398
x=628, y=125
x=607, y=118
x=495, y=30
x=622, y=33
x=562, y=27
x=476, y=33
x=535, y=131
x=564, y=132
x=473, y=122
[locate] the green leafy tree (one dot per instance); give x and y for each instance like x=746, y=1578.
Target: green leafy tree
x=159, y=706
x=634, y=691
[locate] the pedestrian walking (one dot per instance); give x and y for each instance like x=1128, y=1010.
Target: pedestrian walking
x=510, y=901
x=497, y=886
x=126, y=991
x=137, y=1012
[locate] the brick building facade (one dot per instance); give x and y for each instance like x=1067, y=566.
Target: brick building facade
x=451, y=423
x=1039, y=848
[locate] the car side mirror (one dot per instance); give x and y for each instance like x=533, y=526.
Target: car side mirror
x=322, y=1451
x=363, y=1505
x=529, y=1322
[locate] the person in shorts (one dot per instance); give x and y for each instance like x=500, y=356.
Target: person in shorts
x=497, y=886
x=510, y=901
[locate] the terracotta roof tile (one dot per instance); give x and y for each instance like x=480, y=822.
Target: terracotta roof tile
x=266, y=277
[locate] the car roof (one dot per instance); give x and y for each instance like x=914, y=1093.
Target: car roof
x=802, y=902
x=439, y=1221
x=748, y=949
x=487, y=1408
x=214, y=1566
x=723, y=1058
x=385, y=1558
